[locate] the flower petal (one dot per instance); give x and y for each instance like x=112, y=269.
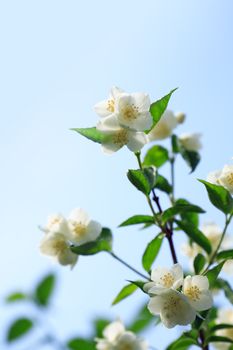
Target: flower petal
x=142, y=101
x=155, y=304
x=136, y=141
x=102, y=108
x=113, y=330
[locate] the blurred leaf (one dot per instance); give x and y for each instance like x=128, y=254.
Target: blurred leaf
x=125, y=292
x=81, y=344
x=17, y=296
x=216, y=338
x=142, y=320
x=158, y=108
x=225, y=254
x=219, y=197
x=191, y=158
x=19, y=328
x=199, y=263
x=175, y=144
x=45, y=289
x=138, y=219
x=157, y=156
x=151, y=252
x=182, y=343
x=196, y=235
x=212, y=274
x=180, y=208
x=226, y=287
x=189, y=217
x=139, y=284
x=103, y=243
x=220, y=326
x=99, y=325
x=162, y=184
x=143, y=180
x=91, y=133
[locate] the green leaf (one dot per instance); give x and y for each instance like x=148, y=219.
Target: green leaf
x=219, y=197
x=220, y=326
x=102, y=243
x=199, y=263
x=225, y=254
x=175, y=144
x=138, y=219
x=225, y=286
x=212, y=274
x=81, y=344
x=17, y=296
x=151, y=252
x=189, y=217
x=139, y=284
x=44, y=290
x=19, y=328
x=142, y=320
x=157, y=156
x=196, y=235
x=143, y=180
x=99, y=325
x=162, y=184
x=92, y=134
x=191, y=158
x=216, y=338
x=125, y=292
x=158, y=108
x=182, y=343
x=179, y=208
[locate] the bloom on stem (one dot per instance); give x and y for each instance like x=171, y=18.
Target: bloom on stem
x=164, y=127
x=223, y=177
x=117, y=338
x=56, y=223
x=191, y=141
x=196, y=289
x=107, y=107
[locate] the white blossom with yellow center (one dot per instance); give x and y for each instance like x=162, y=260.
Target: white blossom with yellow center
x=116, y=136
x=164, y=278
x=107, y=107
x=116, y=337
x=81, y=228
x=191, y=142
x=222, y=177
x=56, y=223
x=165, y=126
x=196, y=289
x=55, y=245
x=173, y=308
x=224, y=316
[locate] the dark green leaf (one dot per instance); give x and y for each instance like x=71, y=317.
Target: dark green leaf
x=91, y=133
x=81, y=344
x=189, y=217
x=151, y=252
x=103, y=243
x=191, y=158
x=220, y=326
x=19, y=328
x=199, y=263
x=196, y=235
x=219, y=197
x=162, y=184
x=212, y=274
x=138, y=219
x=225, y=254
x=17, y=296
x=179, y=208
x=157, y=156
x=139, y=284
x=99, y=325
x=225, y=286
x=142, y=320
x=44, y=290
x=175, y=144
x=216, y=338
x=124, y=293
x=158, y=107
x=143, y=180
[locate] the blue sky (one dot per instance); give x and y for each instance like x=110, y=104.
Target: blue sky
x=58, y=59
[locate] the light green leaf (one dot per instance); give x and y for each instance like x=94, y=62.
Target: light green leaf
x=143, y=180
x=180, y=208
x=81, y=344
x=142, y=320
x=162, y=184
x=103, y=243
x=138, y=219
x=99, y=325
x=225, y=254
x=212, y=274
x=199, y=263
x=219, y=197
x=196, y=235
x=19, y=328
x=92, y=134
x=17, y=296
x=125, y=292
x=191, y=158
x=151, y=252
x=139, y=284
x=44, y=290
x=182, y=343
x=189, y=217
x=157, y=156
x=158, y=108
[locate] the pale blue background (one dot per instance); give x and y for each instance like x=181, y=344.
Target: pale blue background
x=58, y=58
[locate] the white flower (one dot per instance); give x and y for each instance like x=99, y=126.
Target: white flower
x=173, y=308
x=222, y=177
x=107, y=107
x=163, y=279
x=224, y=316
x=82, y=229
x=56, y=223
x=196, y=289
x=116, y=137
x=164, y=127
x=56, y=245
x=117, y=338
x=180, y=117
x=191, y=142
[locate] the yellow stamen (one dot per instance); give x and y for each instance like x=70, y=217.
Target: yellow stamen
x=167, y=280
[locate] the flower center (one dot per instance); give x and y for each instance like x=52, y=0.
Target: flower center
x=79, y=229
x=172, y=306
x=229, y=178
x=121, y=137
x=125, y=347
x=60, y=246
x=111, y=106
x=53, y=222
x=193, y=293
x=167, y=280
x=130, y=112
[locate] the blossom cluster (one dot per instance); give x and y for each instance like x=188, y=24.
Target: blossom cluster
x=223, y=177
x=60, y=233
x=175, y=298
